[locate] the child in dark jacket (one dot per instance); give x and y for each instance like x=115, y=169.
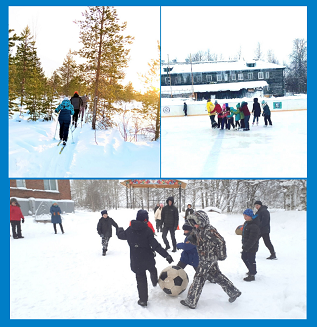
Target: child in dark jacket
x=142, y=246
x=266, y=113
x=66, y=110
x=104, y=228
x=250, y=243
x=56, y=216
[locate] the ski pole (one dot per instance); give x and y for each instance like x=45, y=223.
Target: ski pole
x=72, y=135
x=55, y=130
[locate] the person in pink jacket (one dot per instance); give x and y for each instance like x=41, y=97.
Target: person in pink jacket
x=15, y=218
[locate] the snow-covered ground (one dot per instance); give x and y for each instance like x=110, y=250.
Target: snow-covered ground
x=190, y=148
x=33, y=152
x=65, y=276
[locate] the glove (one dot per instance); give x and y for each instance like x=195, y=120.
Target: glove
x=169, y=259
x=22, y=220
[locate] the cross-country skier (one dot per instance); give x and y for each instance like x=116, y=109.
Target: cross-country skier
x=142, y=245
x=66, y=110
x=76, y=101
x=211, y=247
x=83, y=107
x=104, y=229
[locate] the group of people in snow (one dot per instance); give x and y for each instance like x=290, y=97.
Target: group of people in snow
x=202, y=248
x=238, y=118
x=75, y=107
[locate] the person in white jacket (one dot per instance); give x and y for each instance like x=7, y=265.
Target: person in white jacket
x=157, y=217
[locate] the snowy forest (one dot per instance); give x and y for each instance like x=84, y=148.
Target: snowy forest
x=228, y=195
x=295, y=71
x=96, y=70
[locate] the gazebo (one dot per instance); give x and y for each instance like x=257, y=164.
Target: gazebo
x=148, y=184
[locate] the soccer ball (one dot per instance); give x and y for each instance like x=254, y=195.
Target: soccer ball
x=173, y=280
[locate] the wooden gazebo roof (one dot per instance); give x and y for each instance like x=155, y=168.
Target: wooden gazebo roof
x=154, y=183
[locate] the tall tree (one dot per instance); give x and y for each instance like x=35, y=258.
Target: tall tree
x=106, y=53
x=258, y=54
x=68, y=72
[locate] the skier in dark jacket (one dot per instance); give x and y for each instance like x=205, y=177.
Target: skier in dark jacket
x=266, y=113
x=104, y=229
x=169, y=220
x=66, y=110
x=188, y=211
x=246, y=112
x=77, y=102
x=142, y=246
x=264, y=217
x=256, y=111
x=211, y=247
x=56, y=216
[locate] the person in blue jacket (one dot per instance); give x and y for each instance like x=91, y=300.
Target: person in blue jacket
x=56, y=216
x=266, y=113
x=66, y=110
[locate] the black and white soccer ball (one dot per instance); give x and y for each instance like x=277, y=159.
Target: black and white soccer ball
x=173, y=280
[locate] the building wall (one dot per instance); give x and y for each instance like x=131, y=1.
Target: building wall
x=35, y=188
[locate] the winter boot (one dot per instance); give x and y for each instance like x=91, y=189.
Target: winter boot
x=233, y=298
x=16, y=237
x=142, y=303
x=174, y=250
x=167, y=247
x=20, y=236
x=250, y=278
x=104, y=251
x=272, y=257
x=183, y=302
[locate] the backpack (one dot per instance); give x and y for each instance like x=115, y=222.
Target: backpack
x=221, y=250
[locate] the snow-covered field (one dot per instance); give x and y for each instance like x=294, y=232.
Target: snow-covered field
x=33, y=152
x=65, y=276
x=190, y=148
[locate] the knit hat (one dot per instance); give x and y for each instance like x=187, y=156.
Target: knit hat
x=224, y=106
x=216, y=101
x=76, y=92
x=142, y=215
x=248, y=212
x=258, y=202
x=187, y=227
x=104, y=212
x=66, y=98
x=263, y=101
x=238, y=105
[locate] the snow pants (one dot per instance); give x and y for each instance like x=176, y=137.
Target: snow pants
x=172, y=232
x=256, y=118
x=238, y=123
x=16, y=228
x=75, y=117
x=267, y=242
x=204, y=270
x=219, y=122
x=249, y=260
x=61, y=226
x=246, y=122
x=104, y=242
x=185, y=112
x=158, y=225
x=63, y=130
x=142, y=282
x=267, y=119
x=82, y=112
x=242, y=123
x=230, y=122
x=223, y=123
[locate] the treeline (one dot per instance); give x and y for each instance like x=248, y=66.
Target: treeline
x=105, y=52
x=295, y=72
x=229, y=195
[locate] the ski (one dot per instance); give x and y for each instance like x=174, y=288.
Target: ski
x=62, y=149
x=59, y=142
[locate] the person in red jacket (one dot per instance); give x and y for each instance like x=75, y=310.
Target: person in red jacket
x=244, y=108
x=219, y=113
x=15, y=218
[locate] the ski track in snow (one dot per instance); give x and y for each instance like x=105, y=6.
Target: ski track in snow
x=34, y=153
x=272, y=152
x=64, y=276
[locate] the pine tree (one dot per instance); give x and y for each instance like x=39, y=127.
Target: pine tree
x=106, y=53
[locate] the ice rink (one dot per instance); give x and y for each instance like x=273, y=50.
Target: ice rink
x=191, y=148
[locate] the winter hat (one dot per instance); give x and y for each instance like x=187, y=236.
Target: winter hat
x=161, y=205
x=200, y=218
x=224, y=106
x=255, y=99
x=258, y=202
x=104, y=212
x=248, y=212
x=13, y=200
x=76, y=92
x=263, y=102
x=216, y=102
x=142, y=215
x=187, y=227
x=238, y=105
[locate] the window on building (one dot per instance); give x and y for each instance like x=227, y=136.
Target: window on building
x=267, y=75
x=240, y=77
x=167, y=80
x=178, y=80
x=260, y=75
x=20, y=183
x=233, y=77
x=198, y=79
x=208, y=78
x=250, y=75
x=219, y=78
x=50, y=185
x=225, y=77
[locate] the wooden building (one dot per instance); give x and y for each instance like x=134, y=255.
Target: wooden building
x=222, y=79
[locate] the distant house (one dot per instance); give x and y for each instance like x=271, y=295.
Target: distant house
x=222, y=79
x=37, y=195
